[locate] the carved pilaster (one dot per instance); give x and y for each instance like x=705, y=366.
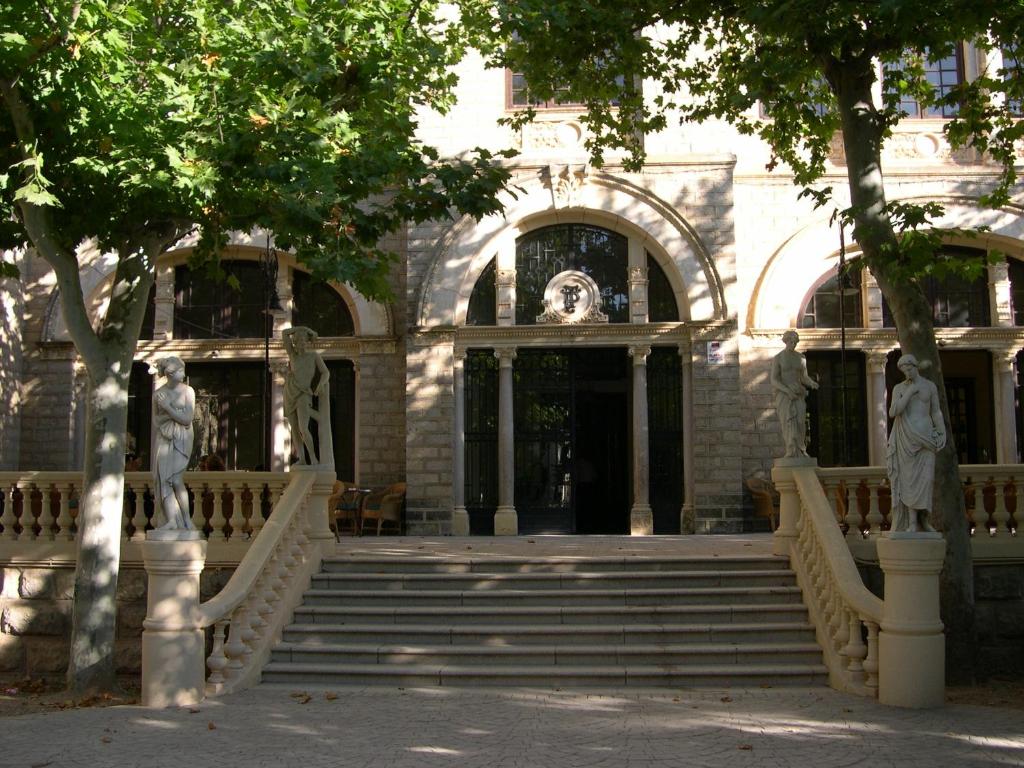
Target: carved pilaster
x=638, y=309
x=1000, y=301
x=505, y=290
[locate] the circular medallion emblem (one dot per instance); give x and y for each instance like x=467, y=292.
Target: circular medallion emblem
x=572, y=297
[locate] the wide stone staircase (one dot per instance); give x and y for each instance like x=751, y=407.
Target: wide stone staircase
x=606, y=622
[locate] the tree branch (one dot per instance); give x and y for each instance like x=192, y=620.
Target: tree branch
x=52, y=42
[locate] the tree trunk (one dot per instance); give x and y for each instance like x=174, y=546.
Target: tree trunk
x=863, y=133
x=92, y=662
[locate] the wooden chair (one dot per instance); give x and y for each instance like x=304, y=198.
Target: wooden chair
x=765, y=500
x=385, y=506
x=341, y=509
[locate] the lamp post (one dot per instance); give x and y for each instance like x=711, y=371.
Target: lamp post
x=844, y=289
x=271, y=304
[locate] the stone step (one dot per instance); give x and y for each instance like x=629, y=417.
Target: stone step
x=573, y=655
x=608, y=677
x=550, y=614
x=566, y=597
x=437, y=564
x=553, y=581
x=504, y=634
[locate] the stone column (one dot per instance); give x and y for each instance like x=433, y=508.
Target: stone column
x=688, y=514
x=641, y=517
x=506, y=522
x=878, y=409
x=163, y=315
x=872, y=301
x=911, y=646
x=999, y=300
x=280, y=436
x=173, y=643
x=460, y=517
x=1003, y=369
x=505, y=295
x=638, y=304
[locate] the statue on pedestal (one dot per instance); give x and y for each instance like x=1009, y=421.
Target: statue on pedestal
x=790, y=383
x=304, y=365
x=173, y=409
x=917, y=434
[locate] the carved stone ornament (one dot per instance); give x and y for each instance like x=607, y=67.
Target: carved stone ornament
x=566, y=184
x=572, y=297
x=505, y=277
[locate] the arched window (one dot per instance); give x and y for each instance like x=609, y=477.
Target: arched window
x=546, y=252
x=661, y=299
x=482, y=309
x=317, y=305
x=1017, y=290
x=956, y=302
x=823, y=308
x=209, y=309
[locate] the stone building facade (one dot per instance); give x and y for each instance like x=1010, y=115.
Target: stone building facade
x=646, y=415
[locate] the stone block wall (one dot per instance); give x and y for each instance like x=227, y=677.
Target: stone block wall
x=430, y=413
x=35, y=617
x=381, y=452
x=999, y=617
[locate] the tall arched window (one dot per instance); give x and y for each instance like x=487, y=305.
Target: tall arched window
x=956, y=302
x=546, y=252
x=661, y=299
x=482, y=309
x=209, y=309
x=823, y=308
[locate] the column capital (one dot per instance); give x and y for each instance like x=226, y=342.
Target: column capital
x=639, y=353
x=638, y=274
x=459, y=354
x=1005, y=358
x=505, y=356
x=998, y=272
x=877, y=359
x=505, y=277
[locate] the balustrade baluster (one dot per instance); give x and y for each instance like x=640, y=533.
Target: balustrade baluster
x=875, y=518
x=831, y=487
x=128, y=510
x=1015, y=522
x=1000, y=515
x=255, y=505
x=871, y=662
x=980, y=518
x=855, y=649
x=217, y=662
x=235, y=647
x=139, y=517
x=64, y=519
x=854, y=522
x=218, y=523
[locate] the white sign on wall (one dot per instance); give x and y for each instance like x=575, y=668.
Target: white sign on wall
x=716, y=355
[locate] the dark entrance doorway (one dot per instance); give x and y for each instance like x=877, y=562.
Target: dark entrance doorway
x=572, y=451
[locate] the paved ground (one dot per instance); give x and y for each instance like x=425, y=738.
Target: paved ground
x=280, y=728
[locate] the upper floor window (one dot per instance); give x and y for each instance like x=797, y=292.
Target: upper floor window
x=518, y=95
x=942, y=75
x=1013, y=69
x=830, y=302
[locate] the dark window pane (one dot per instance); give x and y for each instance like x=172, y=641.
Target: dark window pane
x=661, y=300
x=208, y=309
x=835, y=440
x=956, y=302
x=318, y=306
x=823, y=309
x=482, y=302
x=544, y=253
x=150, y=316
x=1017, y=290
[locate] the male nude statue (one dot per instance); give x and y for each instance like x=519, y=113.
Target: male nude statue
x=918, y=433
x=790, y=383
x=303, y=365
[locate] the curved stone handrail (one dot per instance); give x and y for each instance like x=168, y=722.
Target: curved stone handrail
x=841, y=608
x=250, y=612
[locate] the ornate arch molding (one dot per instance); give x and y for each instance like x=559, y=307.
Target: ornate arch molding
x=797, y=265
x=97, y=274
x=464, y=251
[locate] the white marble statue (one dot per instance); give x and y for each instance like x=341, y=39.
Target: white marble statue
x=173, y=409
x=790, y=383
x=303, y=366
x=917, y=434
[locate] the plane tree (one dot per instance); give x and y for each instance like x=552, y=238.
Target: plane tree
x=128, y=125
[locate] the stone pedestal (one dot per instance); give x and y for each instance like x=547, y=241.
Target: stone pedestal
x=911, y=645
x=316, y=507
x=173, y=643
x=789, y=501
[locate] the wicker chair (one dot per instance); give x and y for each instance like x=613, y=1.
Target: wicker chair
x=341, y=509
x=385, y=506
x=765, y=499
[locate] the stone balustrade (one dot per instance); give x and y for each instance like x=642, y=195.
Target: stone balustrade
x=859, y=498
x=226, y=506
x=892, y=649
